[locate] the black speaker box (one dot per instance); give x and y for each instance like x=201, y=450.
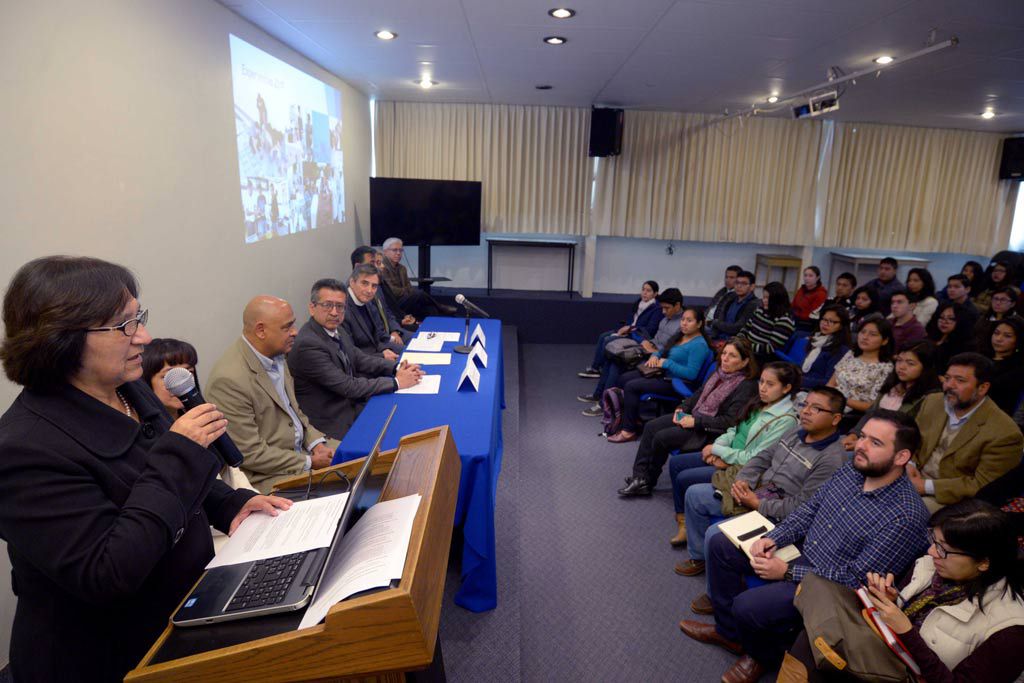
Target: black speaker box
x=605, y=132
x=1010, y=168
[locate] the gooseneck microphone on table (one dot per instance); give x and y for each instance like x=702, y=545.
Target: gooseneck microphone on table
x=181, y=384
x=470, y=307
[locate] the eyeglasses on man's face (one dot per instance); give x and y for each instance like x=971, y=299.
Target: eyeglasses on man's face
x=128, y=327
x=328, y=306
x=814, y=410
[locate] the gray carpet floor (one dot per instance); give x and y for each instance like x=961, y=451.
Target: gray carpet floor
x=586, y=587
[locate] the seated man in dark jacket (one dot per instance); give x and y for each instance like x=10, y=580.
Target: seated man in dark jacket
x=371, y=256
x=373, y=329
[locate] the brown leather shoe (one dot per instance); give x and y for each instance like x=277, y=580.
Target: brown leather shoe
x=702, y=605
x=744, y=670
x=690, y=568
x=706, y=633
x=680, y=538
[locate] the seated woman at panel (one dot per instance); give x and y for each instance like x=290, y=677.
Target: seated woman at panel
x=913, y=377
x=865, y=303
x=762, y=423
x=646, y=316
x=960, y=614
x=921, y=292
x=772, y=324
x=1004, y=347
x=808, y=298
x=824, y=349
x=682, y=358
x=860, y=373
x=998, y=276
x=950, y=331
x=698, y=420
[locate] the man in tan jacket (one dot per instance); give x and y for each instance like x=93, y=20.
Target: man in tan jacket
x=251, y=385
x=966, y=440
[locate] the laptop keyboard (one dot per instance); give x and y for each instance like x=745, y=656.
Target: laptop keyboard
x=267, y=582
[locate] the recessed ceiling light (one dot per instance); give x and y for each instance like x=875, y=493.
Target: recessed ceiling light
x=556, y=40
x=542, y=87
x=988, y=114
x=773, y=98
x=426, y=63
x=385, y=34
x=883, y=60
x=561, y=12
x=426, y=83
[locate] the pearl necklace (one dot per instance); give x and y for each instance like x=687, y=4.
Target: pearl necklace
x=124, y=402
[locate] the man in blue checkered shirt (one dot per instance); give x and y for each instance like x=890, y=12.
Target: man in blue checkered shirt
x=867, y=518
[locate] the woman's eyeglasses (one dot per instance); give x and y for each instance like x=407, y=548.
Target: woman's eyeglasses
x=942, y=551
x=129, y=327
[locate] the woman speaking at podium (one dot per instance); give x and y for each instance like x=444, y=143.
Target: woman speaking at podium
x=106, y=502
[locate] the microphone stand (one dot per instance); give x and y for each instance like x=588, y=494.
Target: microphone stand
x=465, y=347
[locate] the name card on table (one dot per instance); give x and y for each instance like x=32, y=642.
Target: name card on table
x=478, y=337
x=479, y=354
x=470, y=376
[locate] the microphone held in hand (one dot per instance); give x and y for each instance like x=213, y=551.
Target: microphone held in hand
x=470, y=306
x=181, y=384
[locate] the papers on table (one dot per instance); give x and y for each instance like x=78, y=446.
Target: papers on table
x=448, y=336
x=371, y=555
x=425, y=342
x=308, y=524
x=429, y=384
x=744, y=531
x=416, y=358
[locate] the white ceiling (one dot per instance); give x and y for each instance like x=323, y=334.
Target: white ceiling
x=687, y=55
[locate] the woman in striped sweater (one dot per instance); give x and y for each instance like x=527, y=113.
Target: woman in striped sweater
x=772, y=324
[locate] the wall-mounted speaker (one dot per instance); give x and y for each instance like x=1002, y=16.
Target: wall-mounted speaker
x=605, y=132
x=1010, y=168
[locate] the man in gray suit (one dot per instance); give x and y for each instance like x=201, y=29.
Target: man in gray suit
x=333, y=378
x=372, y=327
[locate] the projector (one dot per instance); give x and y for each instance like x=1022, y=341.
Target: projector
x=817, y=105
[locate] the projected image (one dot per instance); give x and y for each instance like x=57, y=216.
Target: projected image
x=290, y=159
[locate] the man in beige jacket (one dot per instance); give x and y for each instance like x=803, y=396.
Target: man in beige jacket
x=251, y=385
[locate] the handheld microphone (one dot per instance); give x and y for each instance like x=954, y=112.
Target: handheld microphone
x=470, y=306
x=181, y=384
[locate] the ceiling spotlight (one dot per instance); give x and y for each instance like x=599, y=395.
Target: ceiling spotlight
x=774, y=98
x=543, y=87
x=385, y=34
x=988, y=114
x=562, y=12
x=883, y=60
x=426, y=83
x=556, y=40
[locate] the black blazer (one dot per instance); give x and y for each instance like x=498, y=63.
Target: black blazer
x=332, y=384
x=107, y=526
x=364, y=335
x=728, y=412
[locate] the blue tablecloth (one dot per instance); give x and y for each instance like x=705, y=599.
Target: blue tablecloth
x=475, y=422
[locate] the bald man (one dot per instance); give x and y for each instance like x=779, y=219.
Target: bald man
x=251, y=385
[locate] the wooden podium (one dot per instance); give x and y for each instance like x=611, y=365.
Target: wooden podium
x=374, y=636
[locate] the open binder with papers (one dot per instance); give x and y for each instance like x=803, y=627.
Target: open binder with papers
x=745, y=529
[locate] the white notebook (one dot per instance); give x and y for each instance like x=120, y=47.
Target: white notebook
x=744, y=530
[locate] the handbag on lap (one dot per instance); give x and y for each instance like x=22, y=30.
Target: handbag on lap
x=625, y=351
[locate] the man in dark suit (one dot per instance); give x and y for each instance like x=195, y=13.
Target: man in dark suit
x=372, y=327
x=333, y=378
x=371, y=256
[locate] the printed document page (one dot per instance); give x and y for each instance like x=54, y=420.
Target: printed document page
x=429, y=384
x=414, y=358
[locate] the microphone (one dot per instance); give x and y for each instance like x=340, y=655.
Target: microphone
x=469, y=305
x=181, y=384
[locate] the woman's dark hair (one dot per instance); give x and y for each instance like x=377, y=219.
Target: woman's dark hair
x=49, y=304
x=979, y=281
x=653, y=285
x=1007, y=279
x=872, y=294
x=927, y=383
x=746, y=351
x=927, y=284
x=816, y=270
x=841, y=338
x=698, y=313
x=983, y=531
x=960, y=332
x=1010, y=291
x=787, y=373
x=1014, y=323
x=884, y=328
x=161, y=352
x=778, y=300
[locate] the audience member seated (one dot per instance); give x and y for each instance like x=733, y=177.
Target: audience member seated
x=683, y=357
x=967, y=440
x=974, y=281
x=824, y=349
x=886, y=283
x=950, y=331
x=159, y=356
x=761, y=424
x=775, y=481
x=735, y=309
x=808, y=298
x=412, y=300
x=958, y=291
x=371, y=256
x=1004, y=348
x=333, y=378
x=845, y=285
x=865, y=304
x=921, y=288
x=372, y=329
x=866, y=518
x=728, y=285
x=707, y=414
x=772, y=324
x=998, y=276
x=907, y=330
x=646, y=316
x=913, y=377
x=860, y=373
x=960, y=613
x=671, y=304
x=252, y=386
x=1003, y=305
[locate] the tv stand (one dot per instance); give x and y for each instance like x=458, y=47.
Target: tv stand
x=423, y=271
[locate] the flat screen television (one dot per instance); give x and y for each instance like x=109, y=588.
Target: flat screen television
x=425, y=212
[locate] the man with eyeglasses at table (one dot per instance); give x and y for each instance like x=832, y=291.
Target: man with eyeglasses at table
x=412, y=300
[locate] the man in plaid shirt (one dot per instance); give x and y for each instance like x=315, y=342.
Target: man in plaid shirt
x=867, y=518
